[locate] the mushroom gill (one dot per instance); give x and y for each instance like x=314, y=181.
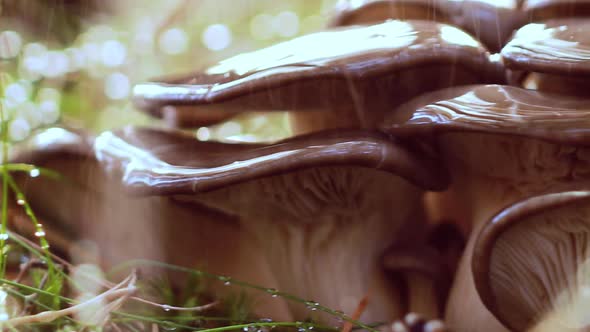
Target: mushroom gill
x=551, y=56
x=322, y=207
x=339, y=78
x=531, y=263
x=532, y=143
x=491, y=22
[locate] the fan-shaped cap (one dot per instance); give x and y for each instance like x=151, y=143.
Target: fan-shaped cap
x=352, y=67
x=559, y=47
x=490, y=21
x=530, y=263
x=157, y=162
x=548, y=9
x=495, y=109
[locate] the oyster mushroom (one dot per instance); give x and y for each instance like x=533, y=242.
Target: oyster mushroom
x=98, y=222
x=551, y=56
x=492, y=22
x=341, y=78
x=322, y=207
x=540, y=139
x=531, y=263
x=540, y=10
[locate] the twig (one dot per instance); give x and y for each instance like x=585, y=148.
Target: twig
x=119, y=291
x=347, y=327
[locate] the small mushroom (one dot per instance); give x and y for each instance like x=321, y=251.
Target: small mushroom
x=492, y=22
x=551, y=56
x=501, y=144
x=531, y=263
x=340, y=78
x=323, y=207
x=541, y=10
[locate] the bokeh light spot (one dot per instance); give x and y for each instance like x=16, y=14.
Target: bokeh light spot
x=217, y=37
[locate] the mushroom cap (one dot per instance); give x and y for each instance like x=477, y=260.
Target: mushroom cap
x=326, y=70
x=495, y=109
x=548, y=9
x=532, y=140
x=155, y=162
x=560, y=46
x=372, y=11
x=530, y=262
x=491, y=21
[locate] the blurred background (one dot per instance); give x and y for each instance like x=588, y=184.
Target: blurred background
x=76, y=61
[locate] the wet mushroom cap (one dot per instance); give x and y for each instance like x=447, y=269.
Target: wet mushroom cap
x=495, y=109
x=157, y=162
x=548, y=9
x=492, y=22
x=530, y=262
x=373, y=11
x=558, y=47
x=342, y=68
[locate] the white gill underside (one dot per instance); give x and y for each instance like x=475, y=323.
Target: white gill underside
x=323, y=231
x=540, y=269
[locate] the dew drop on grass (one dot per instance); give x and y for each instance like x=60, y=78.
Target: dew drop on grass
x=4, y=236
x=34, y=173
x=166, y=307
x=312, y=305
x=20, y=199
x=226, y=280
x=40, y=233
x=273, y=292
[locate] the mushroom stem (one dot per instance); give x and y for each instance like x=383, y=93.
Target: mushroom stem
x=421, y=292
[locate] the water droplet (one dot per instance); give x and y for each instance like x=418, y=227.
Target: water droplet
x=312, y=305
x=265, y=320
x=273, y=292
x=166, y=307
x=4, y=236
x=20, y=200
x=34, y=173
x=45, y=246
x=226, y=280
x=40, y=233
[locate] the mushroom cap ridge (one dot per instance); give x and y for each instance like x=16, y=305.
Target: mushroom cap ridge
x=494, y=109
x=156, y=162
x=316, y=65
x=558, y=46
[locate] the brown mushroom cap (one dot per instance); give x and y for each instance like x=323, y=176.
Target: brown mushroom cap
x=492, y=22
x=335, y=70
x=530, y=262
x=495, y=109
x=373, y=11
x=179, y=164
x=558, y=47
x=547, y=9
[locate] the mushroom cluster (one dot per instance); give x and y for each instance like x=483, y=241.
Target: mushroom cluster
x=392, y=102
